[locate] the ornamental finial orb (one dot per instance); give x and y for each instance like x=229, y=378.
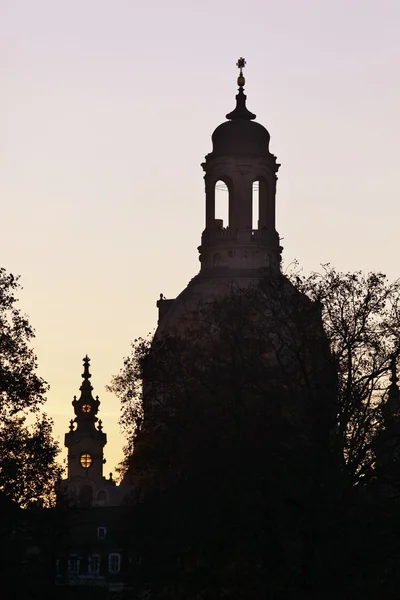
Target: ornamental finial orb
x=241, y=63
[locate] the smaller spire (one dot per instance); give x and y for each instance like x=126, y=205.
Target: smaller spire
x=241, y=63
x=394, y=392
x=392, y=407
x=86, y=362
x=86, y=387
x=86, y=407
x=241, y=111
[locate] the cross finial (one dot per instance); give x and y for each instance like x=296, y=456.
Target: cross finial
x=241, y=63
x=86, y=362
x=241, y=112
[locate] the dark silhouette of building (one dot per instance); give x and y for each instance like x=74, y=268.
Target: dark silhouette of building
x=387, y=440
x=92, y=549
x=239, y=255
x=85, y=484
x=234, y=253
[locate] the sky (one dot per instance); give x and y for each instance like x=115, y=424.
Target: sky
x=106, y=111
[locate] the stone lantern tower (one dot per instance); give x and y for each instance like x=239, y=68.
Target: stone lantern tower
x=236, y=253
x=240, y=255
x=241, y=158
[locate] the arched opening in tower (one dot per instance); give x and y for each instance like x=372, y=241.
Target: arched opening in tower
x=221, y=204
x=256, y=205
x=260, y=209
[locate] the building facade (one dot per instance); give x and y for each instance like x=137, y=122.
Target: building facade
x=94, y=550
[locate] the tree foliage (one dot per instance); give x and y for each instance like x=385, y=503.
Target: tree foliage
x=20, y=387
x=361, y=318
x=253, y=431
x=28, y=470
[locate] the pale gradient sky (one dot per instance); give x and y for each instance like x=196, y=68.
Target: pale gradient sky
x=106, y=112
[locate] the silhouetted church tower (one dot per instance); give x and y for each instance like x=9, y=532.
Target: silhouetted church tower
x=86, y=440
x=240, y=157
x=239, y=255
x=85, y=483
x=239, y=252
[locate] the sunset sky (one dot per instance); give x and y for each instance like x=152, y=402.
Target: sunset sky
x=106, y=112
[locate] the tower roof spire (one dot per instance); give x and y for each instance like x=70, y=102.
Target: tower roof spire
x=86, y=362
x=86, y=387
x=394, y=391
x=392, y=406
x=86, y=407
x=241, y=111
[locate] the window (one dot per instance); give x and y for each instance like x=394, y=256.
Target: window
x=86, y=460
x=263, y=209
x=101, y=498
x=101, y=533
x=217, y=260
x=73, y=564
x=256, y=205
x=221, y=204
x=114, y=562
x=94, y=564
x=85, y=498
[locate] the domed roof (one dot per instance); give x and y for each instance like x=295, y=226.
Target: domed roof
x=240, y=136
x=201, y=290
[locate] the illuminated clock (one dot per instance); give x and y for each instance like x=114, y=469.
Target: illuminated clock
x=86, y=460
x=86, y=408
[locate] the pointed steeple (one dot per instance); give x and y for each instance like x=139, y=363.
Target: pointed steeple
x=241, y=111
x=86, y=407
x=86, y=362
x=392, y=405
x=85, y=439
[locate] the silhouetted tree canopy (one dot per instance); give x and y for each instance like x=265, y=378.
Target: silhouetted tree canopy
x=251, y=438
x=360, y=316
x=28, y=470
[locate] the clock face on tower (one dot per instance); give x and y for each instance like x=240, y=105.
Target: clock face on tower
x=86, y=460
x=86, y=408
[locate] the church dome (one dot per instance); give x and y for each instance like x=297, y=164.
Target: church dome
x=200, y=291
x=240, y=136
x=238, y=252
